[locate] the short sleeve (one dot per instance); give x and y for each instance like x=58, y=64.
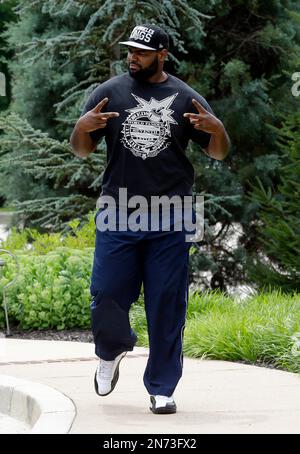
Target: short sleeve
x=197, y=136
x=92, y=101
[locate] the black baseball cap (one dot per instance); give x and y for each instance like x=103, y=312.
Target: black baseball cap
x=148, y=37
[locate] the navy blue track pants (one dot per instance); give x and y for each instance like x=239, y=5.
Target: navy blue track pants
x=123, y=261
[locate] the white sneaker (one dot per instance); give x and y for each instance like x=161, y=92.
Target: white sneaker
x=162, y=404
x=107, y=375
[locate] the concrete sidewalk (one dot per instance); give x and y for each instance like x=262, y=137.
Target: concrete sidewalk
x=212, y=396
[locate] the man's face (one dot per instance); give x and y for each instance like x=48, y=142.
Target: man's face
x=142, y=64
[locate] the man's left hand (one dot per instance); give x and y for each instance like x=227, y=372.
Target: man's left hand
x=204, y=120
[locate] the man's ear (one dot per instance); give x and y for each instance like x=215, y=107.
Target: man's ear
x=163, y=55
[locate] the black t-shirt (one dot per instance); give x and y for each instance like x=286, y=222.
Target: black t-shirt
x=146, y=144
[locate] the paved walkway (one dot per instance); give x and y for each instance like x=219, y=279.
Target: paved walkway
x=212, y=396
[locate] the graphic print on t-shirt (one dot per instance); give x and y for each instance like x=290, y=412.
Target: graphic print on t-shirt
x=147, y=129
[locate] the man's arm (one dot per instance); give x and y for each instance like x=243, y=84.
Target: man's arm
x=80, y=140
x=219, y=144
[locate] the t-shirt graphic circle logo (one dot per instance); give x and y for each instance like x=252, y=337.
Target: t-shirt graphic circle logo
x=147, y=128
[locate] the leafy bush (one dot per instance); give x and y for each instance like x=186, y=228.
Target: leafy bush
x=52, y=290
x=15, y=241
x=81, y=235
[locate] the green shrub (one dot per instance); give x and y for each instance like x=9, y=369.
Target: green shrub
x=16, y=240
x=52, y=290
x=81, y=235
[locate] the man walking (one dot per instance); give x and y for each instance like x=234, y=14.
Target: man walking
x=147, y=117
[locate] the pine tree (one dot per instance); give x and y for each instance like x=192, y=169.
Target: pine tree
x=6, y=15
x=243, y=66
x=239, y=55
x=50, y=166
x=278, y=226
x=67, y=47
x=80, y=39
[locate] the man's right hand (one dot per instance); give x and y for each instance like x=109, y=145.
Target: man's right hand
x=95, y=119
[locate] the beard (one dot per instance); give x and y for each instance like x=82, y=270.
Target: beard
x=145, y=73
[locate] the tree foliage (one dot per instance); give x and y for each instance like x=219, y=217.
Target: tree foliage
x=62, y=51
x=7, y=15
x=278, y=227
x=239, y=55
